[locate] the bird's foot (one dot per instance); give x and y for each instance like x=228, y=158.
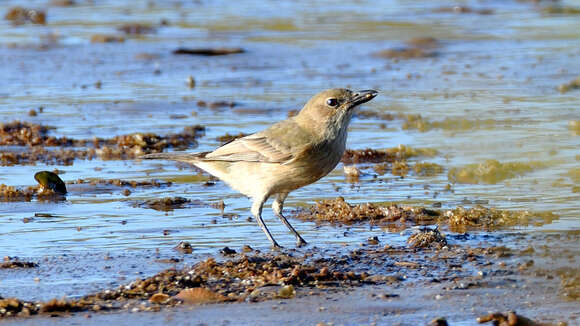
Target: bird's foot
x=276, y=246
x=300, y=242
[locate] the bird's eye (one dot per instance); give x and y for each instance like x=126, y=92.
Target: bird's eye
x=332, y=102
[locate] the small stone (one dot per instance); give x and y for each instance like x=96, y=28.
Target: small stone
x=287, y=292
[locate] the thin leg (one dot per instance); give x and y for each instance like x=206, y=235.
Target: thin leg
x=257, y=212
x=277, y=207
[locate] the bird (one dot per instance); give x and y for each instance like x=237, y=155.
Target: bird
x=288, y=155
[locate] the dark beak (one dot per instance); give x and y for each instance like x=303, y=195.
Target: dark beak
x=361, y=97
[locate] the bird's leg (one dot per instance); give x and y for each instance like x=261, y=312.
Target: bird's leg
x=257, y=212
x=277, y=207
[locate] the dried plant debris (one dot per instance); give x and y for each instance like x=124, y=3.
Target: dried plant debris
x=208, y=51
x=20, y=15
x=425, y=238
x=36, y=138
x=338, y=211
x=508, y=319
x=492, y=171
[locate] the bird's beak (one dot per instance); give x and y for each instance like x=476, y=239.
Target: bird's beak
x=361, y=97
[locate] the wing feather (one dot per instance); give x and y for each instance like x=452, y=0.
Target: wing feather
x=273, y=145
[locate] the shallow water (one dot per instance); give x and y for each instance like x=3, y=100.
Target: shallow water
x=504, y=67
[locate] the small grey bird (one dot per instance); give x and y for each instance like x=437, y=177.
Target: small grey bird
x=288, y=155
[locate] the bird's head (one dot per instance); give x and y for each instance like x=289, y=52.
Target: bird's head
x=333, y=108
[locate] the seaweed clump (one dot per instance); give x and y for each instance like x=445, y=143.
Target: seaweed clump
x=461, y=219
x=338, y=211
x=36, y=138
x=491, y=171
x=20, y=15
x=166, y=204
x=12, y=194
x=398, y=153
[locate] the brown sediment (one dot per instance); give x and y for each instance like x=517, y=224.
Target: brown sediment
x=11, y=194
x=570, y=283
x=224, y=139
x=62, y=3
x=424, y=42
x=216, y=105
x=261, y=277
x=425, y=238
x=184, y=247
x=570, y=86
x=390, y=155
x=36, y=138
x=406, y=53
x=338, y=211
x=208, y=51
x=166, y=204
x=460, y=219
x=464, y=10
x=561, y=10
x=394, y=158
x=243, y=279
x=481, y=218
x=12, y=263
x=507, y=319
x=427, y=168
x=136, y=29
x=574, y=126
x=199, y=296
x=20, y=15
x=376, y=115
x=492, y=171
x=422, y=124
x=122, y=183
x=103, y=38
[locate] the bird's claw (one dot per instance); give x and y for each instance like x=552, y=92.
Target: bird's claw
x=301, y=242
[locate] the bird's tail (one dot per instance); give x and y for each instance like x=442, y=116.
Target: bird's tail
x=181, y=157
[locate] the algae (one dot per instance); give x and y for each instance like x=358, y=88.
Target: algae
x=491, y=171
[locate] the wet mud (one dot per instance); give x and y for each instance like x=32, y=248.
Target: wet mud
x=252, y=276
x=473, y=219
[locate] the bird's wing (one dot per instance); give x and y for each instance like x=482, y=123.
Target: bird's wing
x=277, y=144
